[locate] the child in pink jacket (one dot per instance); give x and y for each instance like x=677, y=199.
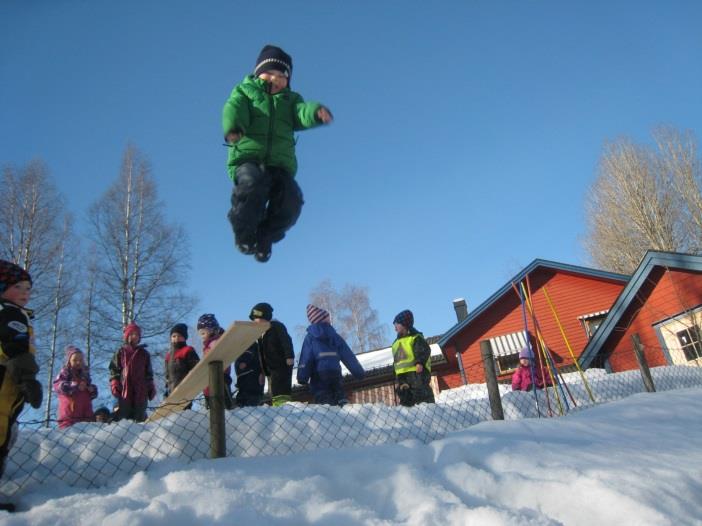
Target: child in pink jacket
x=522, y=379
x=75, y=390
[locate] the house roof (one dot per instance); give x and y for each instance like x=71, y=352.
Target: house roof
x=507, y=288
x=651, y=260
x=381, y=358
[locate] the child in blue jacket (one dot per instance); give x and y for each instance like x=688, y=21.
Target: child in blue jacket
x=322, y=352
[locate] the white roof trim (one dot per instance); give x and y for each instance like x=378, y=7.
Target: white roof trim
x=593, y=315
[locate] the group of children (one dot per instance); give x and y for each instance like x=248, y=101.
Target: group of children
x=271, y=356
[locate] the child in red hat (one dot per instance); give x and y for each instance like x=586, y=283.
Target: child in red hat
x=131, y=376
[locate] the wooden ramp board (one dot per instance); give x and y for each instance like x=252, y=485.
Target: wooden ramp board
x=235, y=340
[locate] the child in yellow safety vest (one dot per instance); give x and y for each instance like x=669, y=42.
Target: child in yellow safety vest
x=412, y=362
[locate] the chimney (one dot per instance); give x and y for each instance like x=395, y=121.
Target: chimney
x=461, y=308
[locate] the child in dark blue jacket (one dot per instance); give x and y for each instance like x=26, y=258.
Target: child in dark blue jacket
x=322, y=352
x=249, y=378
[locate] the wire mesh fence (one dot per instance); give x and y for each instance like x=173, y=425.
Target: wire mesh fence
x=92, y=455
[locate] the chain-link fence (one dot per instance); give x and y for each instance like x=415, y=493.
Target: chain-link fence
x=90, y=455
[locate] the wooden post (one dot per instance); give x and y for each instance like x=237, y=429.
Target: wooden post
x=218, y=440
x=643, y=364
x=491, y=380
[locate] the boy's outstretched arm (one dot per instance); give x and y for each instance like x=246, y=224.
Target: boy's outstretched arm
x=310, y=114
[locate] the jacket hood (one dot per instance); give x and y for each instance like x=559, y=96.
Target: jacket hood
x=321, y=331
x=70, y=351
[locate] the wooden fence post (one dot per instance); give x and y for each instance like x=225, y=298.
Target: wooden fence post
x=491, y=380
x=643, y=364
x=218, y=439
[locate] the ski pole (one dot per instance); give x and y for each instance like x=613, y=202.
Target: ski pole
x=570, y=349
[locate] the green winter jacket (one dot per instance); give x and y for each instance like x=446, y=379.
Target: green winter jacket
x=267, y=123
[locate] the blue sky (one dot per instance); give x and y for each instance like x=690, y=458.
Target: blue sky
x=466, y=133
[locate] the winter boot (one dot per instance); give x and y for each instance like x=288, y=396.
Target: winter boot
x=7, y=506
x=263, y=251
x=246, y=249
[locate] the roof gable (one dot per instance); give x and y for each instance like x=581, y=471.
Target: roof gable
x=651, y=260
x=507, y=288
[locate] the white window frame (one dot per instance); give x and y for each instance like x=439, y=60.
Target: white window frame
x=668, y=332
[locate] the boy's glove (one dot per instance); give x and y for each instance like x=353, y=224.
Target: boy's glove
x=22, y=367
x=324, y=115
x=32, y=391
x=116, y=388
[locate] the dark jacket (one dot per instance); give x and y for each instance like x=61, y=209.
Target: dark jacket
x=322, y=352
x=15, y=346
x=180, y=360
x=420, y=347
x=131, y=375
x=248, y=370
x=275, y=347
x=267, y=123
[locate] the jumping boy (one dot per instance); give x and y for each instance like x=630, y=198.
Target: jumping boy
x=258, y=121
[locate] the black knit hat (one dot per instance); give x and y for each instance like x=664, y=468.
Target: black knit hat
x=180, y=328
x=262, y=310
x=272, y=57
x=405, y=318
x=11, y=274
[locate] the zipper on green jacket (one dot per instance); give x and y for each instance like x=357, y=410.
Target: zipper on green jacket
x=271, y=120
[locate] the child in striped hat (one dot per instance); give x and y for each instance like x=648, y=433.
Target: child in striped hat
x=323, y=351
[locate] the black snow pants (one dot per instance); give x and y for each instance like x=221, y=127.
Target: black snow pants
x=266, y=203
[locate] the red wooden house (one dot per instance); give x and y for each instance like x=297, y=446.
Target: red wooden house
x=577, y=313
x=662, y=305
x=560, y=305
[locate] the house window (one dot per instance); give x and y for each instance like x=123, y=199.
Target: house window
x=507, y=364
x=592, y=321
x=506, y=349
x=690, y=343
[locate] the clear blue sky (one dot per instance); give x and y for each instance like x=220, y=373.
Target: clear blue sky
x=465, y=139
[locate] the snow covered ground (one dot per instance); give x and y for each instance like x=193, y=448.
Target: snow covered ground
x=633, y=461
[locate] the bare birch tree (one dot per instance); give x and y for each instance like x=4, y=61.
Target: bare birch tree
x=140, y=261
x=352, y=315
x=35, y=233
x=680, y=160
x=31, y=221
x=645, y=197
x=64, y=290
